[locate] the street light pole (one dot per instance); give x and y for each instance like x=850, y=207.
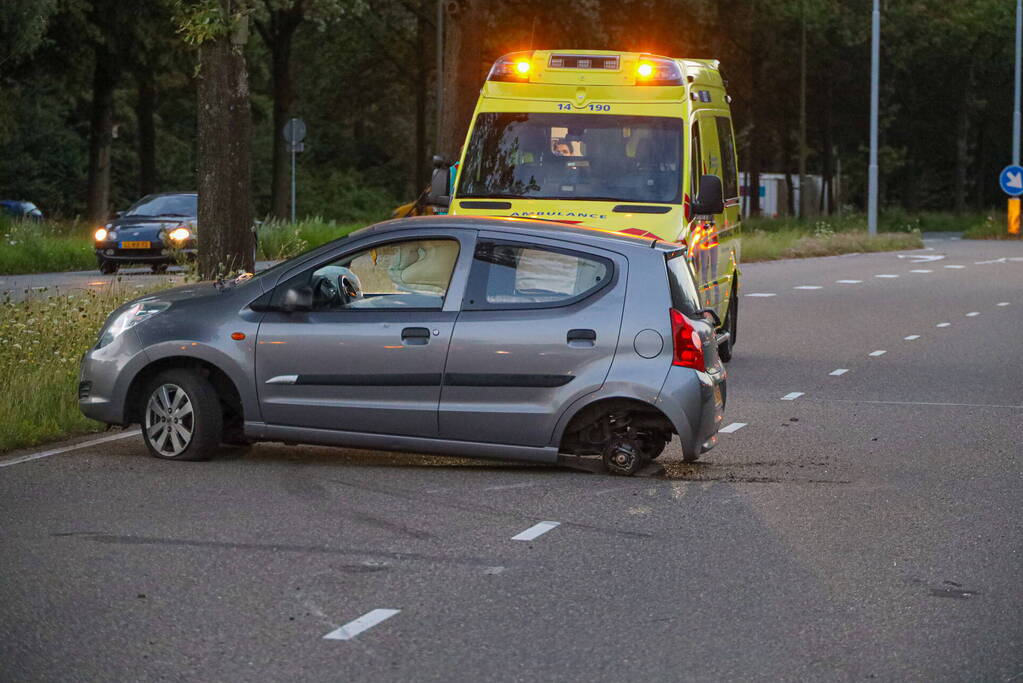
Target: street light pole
x=875, y=71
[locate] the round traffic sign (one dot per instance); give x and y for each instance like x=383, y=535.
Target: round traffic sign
x=1011, y=180
x=294, y=130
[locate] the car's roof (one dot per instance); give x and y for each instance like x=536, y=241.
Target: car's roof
x=524, y=226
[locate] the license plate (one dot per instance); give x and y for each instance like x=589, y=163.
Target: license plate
x=135, y=245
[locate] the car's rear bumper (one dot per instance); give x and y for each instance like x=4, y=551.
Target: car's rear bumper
x=694, y=402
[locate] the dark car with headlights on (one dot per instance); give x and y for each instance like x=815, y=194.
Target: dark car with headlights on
x=156, y=231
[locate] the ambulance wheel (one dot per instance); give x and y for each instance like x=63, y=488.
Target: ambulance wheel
x=731, y=326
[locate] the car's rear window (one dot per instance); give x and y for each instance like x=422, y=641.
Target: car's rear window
x=684, y=297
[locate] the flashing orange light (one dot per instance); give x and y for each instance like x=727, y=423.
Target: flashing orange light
x=238, y=336
x=522, y=67
x=645, y=70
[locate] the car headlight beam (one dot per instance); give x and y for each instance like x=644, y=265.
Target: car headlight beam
x=179, y=234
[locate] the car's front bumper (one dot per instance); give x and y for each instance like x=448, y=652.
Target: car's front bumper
x=159, y=254
x=105, y=377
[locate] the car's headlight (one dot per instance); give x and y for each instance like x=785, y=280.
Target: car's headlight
x=100, y=234
x=128, y=318
x=179, y=234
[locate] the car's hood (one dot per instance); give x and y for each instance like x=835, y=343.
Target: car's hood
x=147, y=227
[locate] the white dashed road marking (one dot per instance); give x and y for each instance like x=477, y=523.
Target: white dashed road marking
x=912, y=337
x=494, y=570
x=734, y=427
x=1003, y=303
x=943, y=325
x=792, y=396
x=887, y=275
x=984, y=263
x=956, y=267
x=879, y=352
x=921, y=270
x=807, y=287
x=65, y=449
x=357, y=626
x=535, y=530
x=759, y=294
x=973, y=314
x=848, y=282
x=839, y=371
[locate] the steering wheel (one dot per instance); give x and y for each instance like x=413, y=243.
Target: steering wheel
x=349, y=288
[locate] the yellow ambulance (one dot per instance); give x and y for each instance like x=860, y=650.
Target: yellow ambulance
x=620, y=141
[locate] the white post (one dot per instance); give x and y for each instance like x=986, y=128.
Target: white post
x=875, y=71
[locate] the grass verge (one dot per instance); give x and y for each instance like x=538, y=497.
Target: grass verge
x=784, y=244
x=41, y=343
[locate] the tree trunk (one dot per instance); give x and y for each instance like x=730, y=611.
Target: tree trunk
x=419, y=178
x=465, y=26
x=145, y=111
x=225, y=129
x=283, y=29
x=100, y=136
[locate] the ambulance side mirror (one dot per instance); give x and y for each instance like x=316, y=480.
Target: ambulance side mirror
x=439, y=187
x=710, y=200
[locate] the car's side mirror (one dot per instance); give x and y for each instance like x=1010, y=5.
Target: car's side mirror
x=297, y=299
x=710, y=200
x=439, y=187
x=115, y=215
x=710, y=313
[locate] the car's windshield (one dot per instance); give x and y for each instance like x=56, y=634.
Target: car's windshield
x=166, y=205
x=574, y=156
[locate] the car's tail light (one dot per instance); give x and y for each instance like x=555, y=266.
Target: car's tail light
x=688, y=351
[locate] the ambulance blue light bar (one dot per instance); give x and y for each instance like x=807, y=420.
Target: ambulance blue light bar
x=514, y=67
x=658, y=71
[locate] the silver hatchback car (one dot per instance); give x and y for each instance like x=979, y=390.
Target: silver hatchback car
x=476, y=337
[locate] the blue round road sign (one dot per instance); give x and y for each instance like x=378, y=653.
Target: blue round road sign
x=1011, y=180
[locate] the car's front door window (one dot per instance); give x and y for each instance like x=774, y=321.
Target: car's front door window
x=406, y=275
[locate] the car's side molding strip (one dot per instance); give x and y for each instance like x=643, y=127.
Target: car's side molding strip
x=451, y=379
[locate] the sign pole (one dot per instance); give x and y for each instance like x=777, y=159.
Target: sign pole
x=1013, y=211
x=875, y=73
x=292, y=183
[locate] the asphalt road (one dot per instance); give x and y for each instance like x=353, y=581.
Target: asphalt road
x=868, y=528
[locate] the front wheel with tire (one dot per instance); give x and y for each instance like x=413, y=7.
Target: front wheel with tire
x=183, y=419
x=107, y=267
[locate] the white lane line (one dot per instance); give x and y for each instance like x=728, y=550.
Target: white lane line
x=1016, y=258
x=848, y=282
x=943, y=325
x=921, y=270
x=955, y=267
x=792, y=396
x=494, y=570
x=505, y=487
x=973, y=314
x=65, y=449
x=838, y=372
x=912, y=337
x=985, y=263
x=760, y=294
x=734, y=427
x=534, y=531
x=357, y=626
x=879, y=352
x=887, y=275
x=1002, y=303
x=808, y=287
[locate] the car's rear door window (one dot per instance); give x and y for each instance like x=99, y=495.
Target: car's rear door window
x=684, y=297
x=508, y=275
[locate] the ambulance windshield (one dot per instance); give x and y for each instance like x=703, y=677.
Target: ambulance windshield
x=574, y=156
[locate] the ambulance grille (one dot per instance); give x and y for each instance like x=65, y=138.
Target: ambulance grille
x=584, y=62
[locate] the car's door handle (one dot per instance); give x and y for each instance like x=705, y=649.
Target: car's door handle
x=415, y=336
x=581, y=337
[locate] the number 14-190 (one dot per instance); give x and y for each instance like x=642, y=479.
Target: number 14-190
x=567, y=106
